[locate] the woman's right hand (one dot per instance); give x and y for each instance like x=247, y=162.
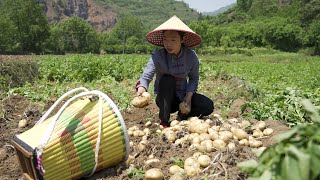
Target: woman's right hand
x=140, y=91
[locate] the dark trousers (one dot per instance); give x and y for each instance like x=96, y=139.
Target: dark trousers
x=168, y=102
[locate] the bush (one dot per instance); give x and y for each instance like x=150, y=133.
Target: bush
x=17, y=73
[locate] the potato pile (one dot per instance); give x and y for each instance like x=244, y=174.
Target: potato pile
x=202, y=137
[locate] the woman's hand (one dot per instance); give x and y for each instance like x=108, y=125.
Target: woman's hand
x=140, y=91
x=187, y=98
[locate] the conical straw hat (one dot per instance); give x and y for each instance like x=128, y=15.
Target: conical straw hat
x=156, y=36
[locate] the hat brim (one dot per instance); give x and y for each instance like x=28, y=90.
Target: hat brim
x=191, y=39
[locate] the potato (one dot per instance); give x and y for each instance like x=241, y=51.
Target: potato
x=192, y=166
x=174, y=122
x=153, y=174
x=201, y=148
x=141, y=133
x=208, y=145
x=224, y=138
x=201, y=128
x=204, y=136
x=244, y=142
x=176, y=169
x=196, y=140
x=261, y=125
x=184, y=108
x=240, y=134
x=268, y=131
x=148, y=123
x=180, y=141
x=136, y=133
x=204, y=160
x=225, y=127
x=226, y=133
x=142, y=100
x=23, y=123
x=231, y=146
x=255, y=143
x=219, y=144
x=170, y=135
x=177, y=176
x=151, y=156
x=233, y=120
x=214, y=136
x=257, y=133
x=216, y=128
x=208, y=121
x=142, y=145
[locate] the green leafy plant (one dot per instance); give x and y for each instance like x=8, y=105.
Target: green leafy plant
x=177, y=161
x=134, y=172
x=296, y=156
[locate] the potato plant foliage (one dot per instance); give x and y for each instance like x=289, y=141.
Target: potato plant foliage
x=296, y=156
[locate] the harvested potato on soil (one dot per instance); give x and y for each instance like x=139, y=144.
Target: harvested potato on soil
x=23, y=123
x=142, y=100
x=192, y=166
x=267, y=132
x=204, y=160
x=153, y=174
x=176, y=169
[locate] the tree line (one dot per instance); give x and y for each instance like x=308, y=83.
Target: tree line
x=24, y=29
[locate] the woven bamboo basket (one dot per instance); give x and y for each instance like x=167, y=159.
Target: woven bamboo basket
x=86, y=135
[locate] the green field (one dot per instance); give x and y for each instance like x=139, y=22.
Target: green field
x=272, y=84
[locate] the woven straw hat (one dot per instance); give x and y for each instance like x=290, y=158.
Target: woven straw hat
x=156, y=36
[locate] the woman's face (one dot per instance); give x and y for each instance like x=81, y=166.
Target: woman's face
x=172, y=42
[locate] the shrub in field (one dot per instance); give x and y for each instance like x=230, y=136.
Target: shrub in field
x=296, y=156
x=17, y=73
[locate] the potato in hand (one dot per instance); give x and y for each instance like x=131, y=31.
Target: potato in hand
x=141, y=100
x=184, y=108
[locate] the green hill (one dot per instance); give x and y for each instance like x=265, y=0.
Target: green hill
x=304, y=11
x=152, y=12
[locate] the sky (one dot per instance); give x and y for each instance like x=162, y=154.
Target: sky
x=208, y=5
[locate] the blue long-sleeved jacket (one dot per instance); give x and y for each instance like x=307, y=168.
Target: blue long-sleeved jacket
x=185, y=69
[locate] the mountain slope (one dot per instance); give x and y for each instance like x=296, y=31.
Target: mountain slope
x=103, y=14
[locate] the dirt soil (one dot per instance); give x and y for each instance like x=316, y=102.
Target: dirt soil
x=16, y=108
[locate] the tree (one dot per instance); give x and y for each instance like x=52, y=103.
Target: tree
x=7, y=31
x=314, y=36
x=128, y=26
x=79, y=36
x=283, y=34
x=30, y=21
x=244, y=4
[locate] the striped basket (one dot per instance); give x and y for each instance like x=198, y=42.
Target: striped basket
x=86, y=135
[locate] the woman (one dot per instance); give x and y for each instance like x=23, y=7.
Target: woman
x=177, y=71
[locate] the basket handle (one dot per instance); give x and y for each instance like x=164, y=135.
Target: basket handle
x=44, y=117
